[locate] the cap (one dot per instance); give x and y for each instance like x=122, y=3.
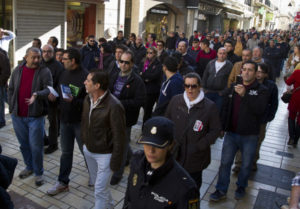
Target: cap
x=157, y=132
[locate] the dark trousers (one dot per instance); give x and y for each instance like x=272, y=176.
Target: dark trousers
x=197, y=176
x=150, y=101
x=53, y=124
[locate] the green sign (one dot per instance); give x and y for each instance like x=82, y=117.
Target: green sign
x=262, y=11
x=269, y=16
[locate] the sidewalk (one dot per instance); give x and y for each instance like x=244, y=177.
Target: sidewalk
x=81, y=196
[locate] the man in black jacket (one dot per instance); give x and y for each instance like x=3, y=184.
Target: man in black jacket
x=243, y=109
x=71, y=95
x=233, y=58
x=215, y=77
x=90, y=54
x=139, y=50
x=56, y=69
x=129, y=88
x=262, y=77
x=156, y=180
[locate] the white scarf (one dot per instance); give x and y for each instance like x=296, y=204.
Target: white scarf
x=189, y=103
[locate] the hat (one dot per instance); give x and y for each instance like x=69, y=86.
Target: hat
x=195, y=39
x=157, y=132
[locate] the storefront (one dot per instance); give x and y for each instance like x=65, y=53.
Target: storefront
x=209, y=17
x=160, y=19
x=81, y=20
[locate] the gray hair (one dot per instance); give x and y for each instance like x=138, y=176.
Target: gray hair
x=260, y=49
x=33, y=49
x=50, y=46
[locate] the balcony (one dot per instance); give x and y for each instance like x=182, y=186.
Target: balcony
x=248, y=2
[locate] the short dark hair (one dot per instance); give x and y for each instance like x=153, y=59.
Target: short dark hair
x=122, y=47
x=133, y=35
x=205, y=42
x=54, y=40
x=60, y=50
x=264, y=67
x=73, y=53
x=153, y=36
x=193, y=75
x=171, y=64
x=38, y=40
x=162, y=42
x=120, y=31
x=91, y=36
x=130, y=53
x=229, y=42
x=251, y=62
x=100, y=77
x=102, y=40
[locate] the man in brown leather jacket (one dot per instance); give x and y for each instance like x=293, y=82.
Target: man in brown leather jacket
x=103, y=134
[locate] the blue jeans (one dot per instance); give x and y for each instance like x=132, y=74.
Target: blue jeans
x=3, y=97
x=30, y=134
x=232, y=143
x=216, y=98
x=68, y=133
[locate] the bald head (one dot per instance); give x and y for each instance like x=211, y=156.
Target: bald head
x=47, y=52
x=182, y=47
x=222, y=54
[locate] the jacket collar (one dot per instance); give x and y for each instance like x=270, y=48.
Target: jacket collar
x=159, y=172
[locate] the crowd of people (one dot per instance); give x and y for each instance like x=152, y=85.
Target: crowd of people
x=192, y=91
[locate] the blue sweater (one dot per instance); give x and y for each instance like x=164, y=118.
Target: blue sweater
x=169, y=88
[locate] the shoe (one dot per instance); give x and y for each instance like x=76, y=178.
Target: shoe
x=239, y=193
x=114, y=180
x=39, y=180
x=217, y=196
x=236, y=169
x=291, y=141
x=51, y=149
x=25, y=173
x=58, y=188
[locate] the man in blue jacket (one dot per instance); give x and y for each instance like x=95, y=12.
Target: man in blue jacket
x=172, y=86
x=90, y=54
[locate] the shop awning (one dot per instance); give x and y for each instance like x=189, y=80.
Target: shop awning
x=233, y=16
x=248, y=14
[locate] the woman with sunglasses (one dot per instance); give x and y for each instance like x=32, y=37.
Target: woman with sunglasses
x=151, y=72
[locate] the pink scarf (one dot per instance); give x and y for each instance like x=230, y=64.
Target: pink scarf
x=146, y=65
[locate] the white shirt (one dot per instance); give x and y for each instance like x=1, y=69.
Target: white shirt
x=4, y=41
x=219, y=65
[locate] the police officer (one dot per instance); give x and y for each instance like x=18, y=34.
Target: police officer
x=156, y=180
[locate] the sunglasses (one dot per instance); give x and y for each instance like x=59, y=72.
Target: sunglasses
x=149, y=52
x=193, y=86
x=126, y=62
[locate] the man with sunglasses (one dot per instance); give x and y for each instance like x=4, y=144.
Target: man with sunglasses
x=129, y=88
x=197, y=126
x=90, y=53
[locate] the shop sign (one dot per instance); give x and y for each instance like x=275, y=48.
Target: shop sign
x=269, y=16
x=205, y=8
x=159, y=11
x=297, y=18
x=201, y=17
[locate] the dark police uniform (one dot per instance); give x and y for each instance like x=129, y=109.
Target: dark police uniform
x=169, y=186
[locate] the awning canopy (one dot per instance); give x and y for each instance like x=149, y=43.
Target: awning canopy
x=233, y=16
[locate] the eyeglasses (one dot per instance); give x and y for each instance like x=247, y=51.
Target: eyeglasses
x=149, y=52
x=126, y=62
x=91, y=40
x=193, y=86
x=47, y=51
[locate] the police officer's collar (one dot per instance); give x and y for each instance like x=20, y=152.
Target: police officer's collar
x=159, y=172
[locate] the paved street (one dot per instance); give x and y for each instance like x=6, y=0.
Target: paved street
x=81, y=196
